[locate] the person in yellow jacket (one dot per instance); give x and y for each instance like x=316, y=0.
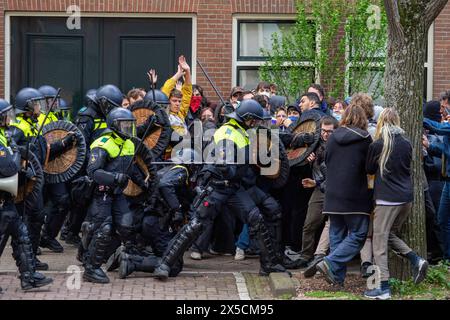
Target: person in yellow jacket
x=179, y=100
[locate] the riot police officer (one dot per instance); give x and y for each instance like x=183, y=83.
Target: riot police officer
x=57, y=197
x=49, y=93
x=231, y=142
x=24, y=132
x=11, y=223
x=108, y=166
x=91, y=122
x=165, y=215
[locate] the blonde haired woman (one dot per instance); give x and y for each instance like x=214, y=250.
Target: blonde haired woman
x=389, y=158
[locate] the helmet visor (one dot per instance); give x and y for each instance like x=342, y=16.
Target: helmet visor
x=7, y=117
x=37, y=105
x=48, y=104
x=126, y=127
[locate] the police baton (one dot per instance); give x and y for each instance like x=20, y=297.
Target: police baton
x=211, y=82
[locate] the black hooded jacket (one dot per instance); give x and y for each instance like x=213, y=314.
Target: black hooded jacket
x=347, y=189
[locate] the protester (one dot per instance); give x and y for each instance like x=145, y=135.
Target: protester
x=389, y=158
x=348, y=205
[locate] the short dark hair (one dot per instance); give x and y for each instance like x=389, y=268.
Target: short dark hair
x=313, y=97
x=200, y=89
x=261, y=100
x=263, y=85
x=319, y=88
x=327, y=120
x=445, y=95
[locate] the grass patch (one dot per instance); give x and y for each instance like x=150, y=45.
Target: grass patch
x=339, y=295
x=435, y=286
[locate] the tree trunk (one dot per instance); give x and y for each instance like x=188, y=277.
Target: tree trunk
x=404, y=83
x=408, y=23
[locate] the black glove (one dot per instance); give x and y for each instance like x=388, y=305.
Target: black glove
x=177, y=218
x=69, y=140
x=29, y=173
x=308, y=138
x=121, y=179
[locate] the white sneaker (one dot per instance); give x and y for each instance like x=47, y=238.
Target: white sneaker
x=196, y=256
x=240, y=254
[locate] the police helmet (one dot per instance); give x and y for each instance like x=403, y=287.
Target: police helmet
x=108, y=97
x=30, y=100
x=160, y=97
x=7, y=114
x=49, y=94
x=122, y=122
x=64, y=110
x=89, y=97
x=248, y=110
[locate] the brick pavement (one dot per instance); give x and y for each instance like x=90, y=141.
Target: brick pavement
x=210, y=279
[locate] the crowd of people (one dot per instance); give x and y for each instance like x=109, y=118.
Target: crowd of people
x=345, y=194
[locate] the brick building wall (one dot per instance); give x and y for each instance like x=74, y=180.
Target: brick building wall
x=214, y=29
x=442, y=52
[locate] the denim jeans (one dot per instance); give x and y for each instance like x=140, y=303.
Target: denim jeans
x=243, y=241
x=444, y=219
x=348, y=232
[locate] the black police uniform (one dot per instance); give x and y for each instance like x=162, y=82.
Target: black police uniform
x=12, y=225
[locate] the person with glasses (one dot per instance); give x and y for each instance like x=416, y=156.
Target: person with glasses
x=314, y=217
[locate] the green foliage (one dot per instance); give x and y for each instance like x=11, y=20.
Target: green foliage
x=316, y=45
x=436, y=284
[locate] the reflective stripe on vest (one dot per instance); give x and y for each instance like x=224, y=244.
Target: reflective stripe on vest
x=115, y=147
x=28, y=129
x=3, y=140
x=100, y=124
x=234, y=132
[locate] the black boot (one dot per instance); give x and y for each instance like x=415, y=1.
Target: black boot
x=41, y=266
x=94, y=274
x=176, y=248
x=96, y=254
x=23, y=254
x=268, y=258
x=36, y=280
x=51, y=243
x=130, y=263
x=72, y=238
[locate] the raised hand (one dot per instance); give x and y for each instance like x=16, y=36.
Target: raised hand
x=179, y=85
x=183, y=64
x=152, y=76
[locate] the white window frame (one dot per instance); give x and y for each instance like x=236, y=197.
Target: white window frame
x=235, y=45
x=8, y=15
x=429, y=64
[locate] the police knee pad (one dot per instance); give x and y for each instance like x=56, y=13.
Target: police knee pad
x=272, y=209
x=254, y=218
x=105, y=231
